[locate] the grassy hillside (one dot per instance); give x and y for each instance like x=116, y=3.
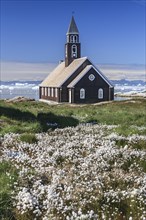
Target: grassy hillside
x=32, y=117
x=73, y=170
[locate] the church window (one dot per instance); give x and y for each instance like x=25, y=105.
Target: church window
x=100, y=93
x=45, y=91
x=91, y=77
x=74, y=51
x=56, y=92
x=82, y=93
x=71, y=39
x=52, y=92
x=75, y=39
x=48, y=91
x=42, y=90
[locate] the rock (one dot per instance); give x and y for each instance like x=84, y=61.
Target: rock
x=19, y=99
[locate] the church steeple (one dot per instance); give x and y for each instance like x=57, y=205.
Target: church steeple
x=72, y=27
x=72, y=47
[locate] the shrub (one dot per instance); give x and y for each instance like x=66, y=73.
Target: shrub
x=29, y=138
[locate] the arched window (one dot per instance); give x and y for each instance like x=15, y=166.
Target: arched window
x=71, y=39
x=82, y=93
x=100, y=93
x=75, y=39
x=74, y=51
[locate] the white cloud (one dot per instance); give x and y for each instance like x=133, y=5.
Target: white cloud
x=25, y=71
x=38, y=71
x=129, y=72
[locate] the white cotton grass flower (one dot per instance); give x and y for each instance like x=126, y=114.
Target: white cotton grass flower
x=77, y=173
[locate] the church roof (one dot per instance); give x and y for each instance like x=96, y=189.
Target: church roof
x=61, y=73
x=72, y=27
x=84, y=71
x=77, y=79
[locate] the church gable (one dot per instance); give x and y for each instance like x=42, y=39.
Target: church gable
x=90, y=86
x=89, y=75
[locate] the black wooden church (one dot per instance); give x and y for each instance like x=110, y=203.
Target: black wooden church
x=76, y=80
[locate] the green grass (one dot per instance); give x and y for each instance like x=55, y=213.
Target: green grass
x=28, y=118
x=32, y=117
x=6, y=183
x=28, y=138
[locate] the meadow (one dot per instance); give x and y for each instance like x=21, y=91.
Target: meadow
x=73, y=162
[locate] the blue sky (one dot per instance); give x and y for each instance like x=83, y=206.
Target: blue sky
x=110, y=31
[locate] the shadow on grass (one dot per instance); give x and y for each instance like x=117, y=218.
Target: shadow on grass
x=49, y=120
x=17, y=114
x=45, y=120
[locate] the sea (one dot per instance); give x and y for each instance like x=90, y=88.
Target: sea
x=30, y=89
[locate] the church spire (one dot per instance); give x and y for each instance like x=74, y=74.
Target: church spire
x=72, y=27
x=72, y=47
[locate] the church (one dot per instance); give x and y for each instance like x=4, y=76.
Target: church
x=77, y=79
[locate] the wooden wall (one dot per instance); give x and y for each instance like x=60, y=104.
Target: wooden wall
x=91, y=89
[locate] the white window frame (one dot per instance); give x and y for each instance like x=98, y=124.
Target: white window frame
x=82, y=93
x=66, y=51
x=67, y=38
x=73, y=39
x=74, y=52
x=100, y=93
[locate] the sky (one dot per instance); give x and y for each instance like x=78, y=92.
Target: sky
x=34, y=32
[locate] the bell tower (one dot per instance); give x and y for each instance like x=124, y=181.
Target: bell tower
x=72, y=47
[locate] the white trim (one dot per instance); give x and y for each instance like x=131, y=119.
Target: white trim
x=52, y=92
x=67, y=38
x=48, y=91
x=45, y=91
x=102, y=75
x=73, y=38
x=68, y=33
x=70, y=96
x=42, y=91
x=97, y=71
x=88, y=67
x=91, y=77
x=66, y=50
